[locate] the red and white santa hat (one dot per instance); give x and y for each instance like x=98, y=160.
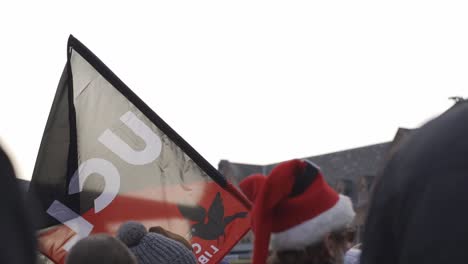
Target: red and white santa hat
x=295, y=206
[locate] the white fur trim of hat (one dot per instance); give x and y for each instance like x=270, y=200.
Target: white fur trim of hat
x=312, y=231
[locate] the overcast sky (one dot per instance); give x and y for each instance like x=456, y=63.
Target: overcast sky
x=248, y=81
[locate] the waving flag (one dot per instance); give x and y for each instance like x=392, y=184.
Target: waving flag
x=106, y=158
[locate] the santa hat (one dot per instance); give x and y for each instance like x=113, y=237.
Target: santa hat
x=296, y=206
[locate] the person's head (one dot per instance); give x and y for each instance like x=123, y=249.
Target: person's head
x=417, y=211
x=330, y=250
x=18, y=242
x=100, y=249
x=153, y=247
x=171, y=235
x=309, y=222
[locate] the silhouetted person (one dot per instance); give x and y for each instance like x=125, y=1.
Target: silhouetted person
x=418, y=210
x=17, y=243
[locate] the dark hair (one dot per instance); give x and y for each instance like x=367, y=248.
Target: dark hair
x=100, y=249
x=317, y=253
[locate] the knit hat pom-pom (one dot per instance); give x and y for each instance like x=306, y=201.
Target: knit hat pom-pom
x=131, y=233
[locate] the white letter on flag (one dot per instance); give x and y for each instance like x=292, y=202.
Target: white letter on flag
x=105, y=169
x=75, y=222
x=124, y=151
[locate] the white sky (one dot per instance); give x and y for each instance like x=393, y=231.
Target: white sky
x=248, y=81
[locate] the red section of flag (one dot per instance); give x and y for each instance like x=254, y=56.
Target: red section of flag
x=213, y=224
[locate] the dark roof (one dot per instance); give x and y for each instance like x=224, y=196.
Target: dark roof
x=364, y=161
x=345, y=168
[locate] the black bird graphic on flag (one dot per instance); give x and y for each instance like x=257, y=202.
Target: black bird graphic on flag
x=213, y=227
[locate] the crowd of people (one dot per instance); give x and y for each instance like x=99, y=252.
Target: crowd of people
x=416, y=212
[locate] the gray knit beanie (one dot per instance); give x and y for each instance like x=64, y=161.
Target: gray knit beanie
x=152, y=248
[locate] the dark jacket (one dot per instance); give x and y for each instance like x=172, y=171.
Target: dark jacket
x=419, y=211
x=17, y=242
